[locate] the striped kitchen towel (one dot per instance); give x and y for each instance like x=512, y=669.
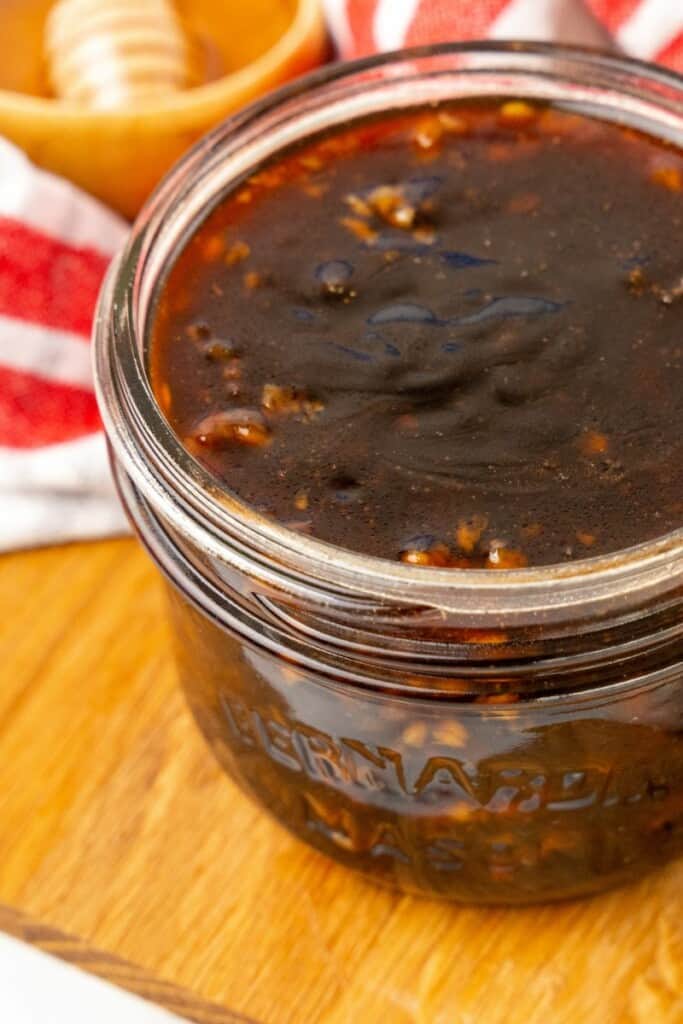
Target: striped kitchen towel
x=55, y=245
x=647, y=29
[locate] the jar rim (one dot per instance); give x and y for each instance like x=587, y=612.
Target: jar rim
x=186, y=494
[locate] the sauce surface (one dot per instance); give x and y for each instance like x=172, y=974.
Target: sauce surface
x=453, y=337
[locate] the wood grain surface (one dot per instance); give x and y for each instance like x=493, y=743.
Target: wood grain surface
x=117, y=828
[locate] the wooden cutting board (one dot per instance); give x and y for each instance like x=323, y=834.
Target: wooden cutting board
x=118, y=830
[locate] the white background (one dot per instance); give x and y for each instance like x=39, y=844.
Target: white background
x=39, y=989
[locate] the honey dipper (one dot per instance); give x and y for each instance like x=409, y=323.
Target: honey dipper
x=115, y=53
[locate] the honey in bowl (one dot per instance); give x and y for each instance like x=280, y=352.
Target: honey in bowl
x=113, y=120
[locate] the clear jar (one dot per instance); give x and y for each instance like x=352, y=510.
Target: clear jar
x=494, y=737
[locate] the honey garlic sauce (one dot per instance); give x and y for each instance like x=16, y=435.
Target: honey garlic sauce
x=452, y=337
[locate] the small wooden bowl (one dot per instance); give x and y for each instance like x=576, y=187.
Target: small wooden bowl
x=120, y=155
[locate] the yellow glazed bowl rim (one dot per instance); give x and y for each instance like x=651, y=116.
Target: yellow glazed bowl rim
x=306, y=24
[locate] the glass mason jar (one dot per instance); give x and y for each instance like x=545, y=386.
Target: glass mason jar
x=494, y=737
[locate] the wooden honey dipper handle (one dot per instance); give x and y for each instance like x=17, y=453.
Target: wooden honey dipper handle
x=115, y=53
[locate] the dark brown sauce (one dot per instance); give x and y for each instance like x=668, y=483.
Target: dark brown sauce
x=454, y=338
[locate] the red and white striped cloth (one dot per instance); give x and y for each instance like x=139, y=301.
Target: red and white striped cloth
x=55, y=244
x=647, y=29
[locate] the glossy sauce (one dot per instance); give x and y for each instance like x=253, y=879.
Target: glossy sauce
x=453, y=337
